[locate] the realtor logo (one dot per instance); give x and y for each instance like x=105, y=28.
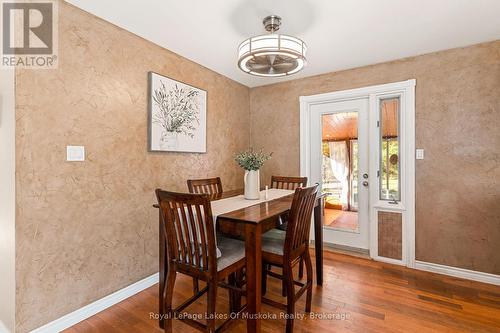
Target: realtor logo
x=29, y=34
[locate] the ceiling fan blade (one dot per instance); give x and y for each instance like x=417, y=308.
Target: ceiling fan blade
x=282, y=65
x=259, y=66
x=271, y=59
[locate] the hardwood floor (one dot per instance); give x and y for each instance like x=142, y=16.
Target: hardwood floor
x=358, y=295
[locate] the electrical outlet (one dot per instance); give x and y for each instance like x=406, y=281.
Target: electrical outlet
x=419, y=154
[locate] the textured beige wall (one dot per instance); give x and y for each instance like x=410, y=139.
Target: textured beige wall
x=87, y=229
x=458, y=125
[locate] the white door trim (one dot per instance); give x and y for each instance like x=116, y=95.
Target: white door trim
x=408, y=89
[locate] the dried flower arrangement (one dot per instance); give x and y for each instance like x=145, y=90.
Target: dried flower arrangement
x=251, y=159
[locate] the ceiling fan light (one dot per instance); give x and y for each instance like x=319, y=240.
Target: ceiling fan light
x=273, y=54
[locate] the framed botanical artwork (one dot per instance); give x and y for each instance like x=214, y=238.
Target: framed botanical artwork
x=177, y=119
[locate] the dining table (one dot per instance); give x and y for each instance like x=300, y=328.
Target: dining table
x=250, y=223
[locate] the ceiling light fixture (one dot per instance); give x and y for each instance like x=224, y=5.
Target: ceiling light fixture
x=272, y=54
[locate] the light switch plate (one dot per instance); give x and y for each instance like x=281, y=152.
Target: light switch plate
x=419, y=154
x=75, y=153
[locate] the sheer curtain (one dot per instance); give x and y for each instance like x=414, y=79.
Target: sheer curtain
x=339, y=160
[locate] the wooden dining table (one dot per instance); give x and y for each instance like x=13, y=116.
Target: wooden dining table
x=250, y=223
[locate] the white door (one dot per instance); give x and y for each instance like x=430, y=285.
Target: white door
x=359, y=144
x=339, y=163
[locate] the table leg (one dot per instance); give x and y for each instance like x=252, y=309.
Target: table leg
x=318, y=240
x=253, y=233
x=162, y=270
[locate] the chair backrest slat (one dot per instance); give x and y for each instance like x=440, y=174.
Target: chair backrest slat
x=208, y=186
x=203, y=239
x=185, y=230
x=189, y=229
x=175, y=218
x=299, y=222
x=288, y=183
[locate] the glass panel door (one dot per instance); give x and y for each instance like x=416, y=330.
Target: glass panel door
x=339, y=162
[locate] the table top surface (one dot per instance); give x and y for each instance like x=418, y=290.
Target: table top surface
x=256, y=213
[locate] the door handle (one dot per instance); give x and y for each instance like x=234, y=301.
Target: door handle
x=365, y=183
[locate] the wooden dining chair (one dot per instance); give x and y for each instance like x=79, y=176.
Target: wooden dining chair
x=192, y=250
x=288, y=183
x=208, y=185
x=289, y=251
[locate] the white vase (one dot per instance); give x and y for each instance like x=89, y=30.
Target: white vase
x=252, y=184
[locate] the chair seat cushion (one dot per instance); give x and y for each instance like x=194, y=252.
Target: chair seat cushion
x=273, y=241
x=233, y=250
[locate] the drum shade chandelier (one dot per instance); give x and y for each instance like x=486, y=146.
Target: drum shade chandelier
x=272, y=54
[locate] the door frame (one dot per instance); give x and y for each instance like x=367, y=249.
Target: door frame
x=407, y=90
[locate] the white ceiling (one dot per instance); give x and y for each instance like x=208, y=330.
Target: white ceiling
x=340, y=34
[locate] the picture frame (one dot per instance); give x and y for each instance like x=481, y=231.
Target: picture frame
x=177, y=116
